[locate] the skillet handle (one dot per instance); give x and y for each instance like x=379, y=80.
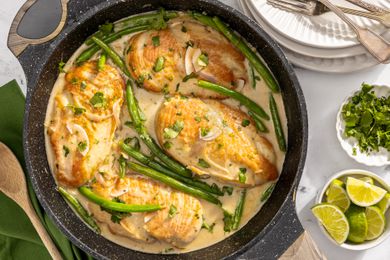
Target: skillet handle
x=17, y=43
x=304, y=248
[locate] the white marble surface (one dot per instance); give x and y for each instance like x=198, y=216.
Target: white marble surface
x=323, y=92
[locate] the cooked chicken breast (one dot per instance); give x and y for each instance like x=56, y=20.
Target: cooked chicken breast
x=84, y=120
x=185, y=48
x=209, y=138
x=178, y=223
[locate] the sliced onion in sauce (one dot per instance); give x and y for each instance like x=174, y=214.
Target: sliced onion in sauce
x=240, y=84
x=211, y=135
x=117, y=193
x=188, y=60
x=73, y=128
x=195, y=57
x=116, y=111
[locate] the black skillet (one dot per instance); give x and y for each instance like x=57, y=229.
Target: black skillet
x=273, y=229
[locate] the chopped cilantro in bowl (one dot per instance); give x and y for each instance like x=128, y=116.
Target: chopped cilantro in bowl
x=363, y=125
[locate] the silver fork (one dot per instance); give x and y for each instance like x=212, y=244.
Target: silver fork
x=313, y=8
x=374, y=43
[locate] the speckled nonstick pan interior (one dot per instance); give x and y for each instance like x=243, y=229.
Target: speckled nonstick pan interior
x=40, y=63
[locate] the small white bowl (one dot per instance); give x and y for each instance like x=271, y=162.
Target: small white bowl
x=380, y=158
x=378, y=180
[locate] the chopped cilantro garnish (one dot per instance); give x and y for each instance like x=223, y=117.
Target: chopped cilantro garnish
x=98, y=100
x=203, y=59
x=190, y=76
x=204, y=131
x=133, y=142
x=367, y=119
x=66, y=150
x=82, y=146
x=198, y=118
x=106, y=28
x=202, y=163
x=208, y=227
x=156, y=40
x=172, y=211
x=77, y=110
x=227, y=189
x=83, y=84
x=61, y=66
x=245, y=122
x=189, y=44
x=167, y=145
x=241, y=175
x=174, y=130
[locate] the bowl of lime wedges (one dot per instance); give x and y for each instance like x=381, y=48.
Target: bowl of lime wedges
x=353, y=209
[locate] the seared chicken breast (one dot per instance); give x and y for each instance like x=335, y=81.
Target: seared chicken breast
x=208, y=137
x=178, y=223
x=84, y=120
x=171, y=60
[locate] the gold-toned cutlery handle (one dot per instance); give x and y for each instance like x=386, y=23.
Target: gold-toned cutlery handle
x=384, y=18
x=368, y=6
x=375, y=44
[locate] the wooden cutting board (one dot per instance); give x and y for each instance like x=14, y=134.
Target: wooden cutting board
x=304, y=248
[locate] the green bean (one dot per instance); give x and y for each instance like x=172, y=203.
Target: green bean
x=277, y=124
x=252, y=106
x=113, y=55
x=88, y=53
x=253, y=77
x=267, y=193
x=207, y=20
x=146, y=18
x=172, y=182
x=76, y=205
x=116, y=206
x=102, y=61
x=159, y=65
x=135, y=21
x=232, y=221
x=147, y=139
x=239, y=210
x=160, y=168
x=259, y=124
x=256, y=62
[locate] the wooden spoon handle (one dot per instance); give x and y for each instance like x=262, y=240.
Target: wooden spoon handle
x=47, y=241
x=304, y=248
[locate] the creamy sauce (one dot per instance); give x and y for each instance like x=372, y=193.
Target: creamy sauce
x=150, y=103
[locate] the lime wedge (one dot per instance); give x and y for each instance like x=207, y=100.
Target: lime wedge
x=384, y=204
x=333, y=219
x=367, y=179
x=338, y=196
x=376, y=222
x=357, y=223
x=362, y=193
x=335, y=182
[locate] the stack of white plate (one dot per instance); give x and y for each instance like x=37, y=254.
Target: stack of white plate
x=321, y=43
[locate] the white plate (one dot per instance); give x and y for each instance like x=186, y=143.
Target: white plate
x=331, y=65
x=380, y=158
x=322, y=31
x=303, y=49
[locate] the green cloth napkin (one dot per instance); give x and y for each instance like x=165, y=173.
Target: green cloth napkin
x=18, y=238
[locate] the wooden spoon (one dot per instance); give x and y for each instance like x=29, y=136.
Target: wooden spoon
x=13, y=184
